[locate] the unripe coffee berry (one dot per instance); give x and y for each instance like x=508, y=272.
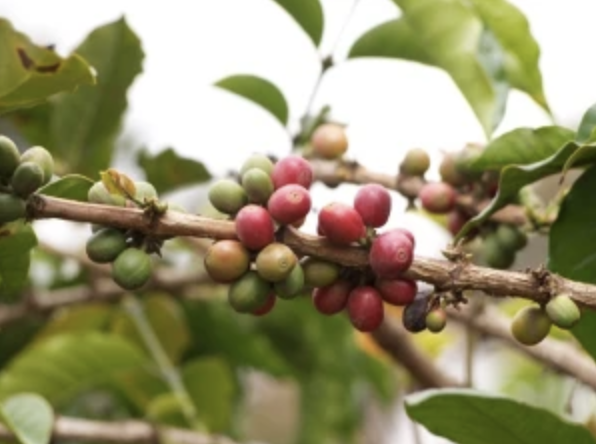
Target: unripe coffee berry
x=105, y=245
x=289, y=204
x=226, y=261
x=373, y=203
x=132, y=269
x=494, y=255
x=438, y=197
x=11, y=208
x=254, y=227
x=563, y=311
x=449, y=172
x=530, y=325
x=320, y=273
x=416, y=162
x=510, y=237
x=436, y=320
x=397, y=292
x=391, y=254
x=259, y=161
x=365, y=308
x=249, y=293
x=42, y=157
x=456, y=221
x=9, y=157
x=333, y=298
x=329, y=141
x=227, y=196
x=292, y=170
x=275, y=262
x=292, y=285
x=258, y=185
x=341, y=224
x=27, y=178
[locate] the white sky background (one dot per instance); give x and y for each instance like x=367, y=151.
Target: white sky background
x=390, y=106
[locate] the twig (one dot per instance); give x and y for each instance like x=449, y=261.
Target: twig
x=536, y=285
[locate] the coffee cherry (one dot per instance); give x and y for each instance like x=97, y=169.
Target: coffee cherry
x=414, y=315
x=41, y=157
x=437, y=197
x=329, y=141
x=320, y=273
x=258, y=185
x=510, y=237
x=227, y=196
x=105, y=245
x=254, y=227
x=341, y=224
x=9, y=157
x=436, y=320
x=249, y=293
x=397, y=291
x=530, y=325
x=99, y=194
x=563, y=311
x=456, y=221
x=416, y=162
x=275, y=262
x=373, y=203
x=292, y=285
x=144, y=191
x=11, y=208
x=449, y=172
x=266, y=307
x=365, y=308
x=289, y=204
x=464, y=159
x=292, y=170
x=27, y=178
x=259, y=161
x=494, y=255
x=333, y=298
x=226, y=261
x=391, y=253
x=131, y=269
x=406, y=233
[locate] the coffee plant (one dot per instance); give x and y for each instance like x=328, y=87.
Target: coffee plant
x=154, y=328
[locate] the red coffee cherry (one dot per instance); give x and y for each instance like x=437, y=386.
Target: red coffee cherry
x=398, y=292
x=391, y=253
x=373, y=203
x=365, y=308
x=289, y=204
x=227, y=260
x=341, y=223
x=333, y=298
x=267, y=306
x=329, y=141
x=456, y=221
x=406, y=233
x=292, y=170
x=438, y=197
x=254, y=227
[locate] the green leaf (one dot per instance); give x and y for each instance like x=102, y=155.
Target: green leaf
x=84, y=125
x=260, y=91
x=308, y=14
x=167, y=170
x=29, y=73
x=16, y=241
x=212, y=388
x=468, y=416
x=76, y=319
x=521, y=52
x=587, y=124
x=522, y=146
x=29, y=417
x=61, y=366
x=570, y=255
x=73, y=187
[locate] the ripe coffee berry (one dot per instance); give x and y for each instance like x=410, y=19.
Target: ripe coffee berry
x=373, y=203
x=397, y=291
x=292, y=170
x=266, y=307
x=289, y=204
x=333, y=298
x=254, y=227
x=329, y=141
x=391, y=253
x=341, y=224
x=438, y=197
x=365, y=308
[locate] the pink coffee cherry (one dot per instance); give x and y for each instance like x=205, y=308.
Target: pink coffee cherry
x=289, y=204
x=254, y=227
x=391, y=254
x=373, y=203
x=333, y=298
x=438, y=197
x=398, y=292
x=341, y=223
x=365, y=308
x=292, y=170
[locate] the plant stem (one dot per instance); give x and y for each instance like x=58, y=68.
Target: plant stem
x=168, y=371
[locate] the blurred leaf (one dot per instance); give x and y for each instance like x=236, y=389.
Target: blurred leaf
x=16, y=241
x=167, y=170
x=30, y=73
x=521, y=51
x=84, y=125
x=211, y=385
x=587, y=125
x=570, y=255
x=73, y=187
x=29, y=417
x=468, y=416
x=260, y=91
x=76, y=319
x=308, y=14
x=63, y=365
x=15, y=337
x=522, y=146
x=167, y=319
x=165, y=409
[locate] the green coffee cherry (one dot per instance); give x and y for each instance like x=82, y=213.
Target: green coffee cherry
x=106, y=245
x=99, y=194
x=41, y=157
x=275, y=262
x=248, y=293
x=9, y=157
x=494, y=255
x=415, y=163
x=11, y=208
x=320, y=273
x=227, y=260
x=510, y=237
x=145, y=191
x=132, y=269
x=259, y=161
x=449, y=173
x=530, y=325
x=292, y=285
x=227, y=196
x=258, y=185
x=563, y=311
x=436, y=320
x=27, y=179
